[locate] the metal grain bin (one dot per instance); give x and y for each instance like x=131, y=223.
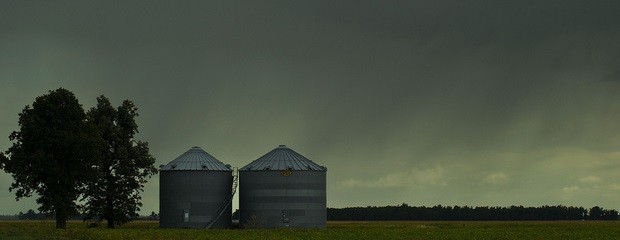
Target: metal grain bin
x=282, y=189
x=194, y=189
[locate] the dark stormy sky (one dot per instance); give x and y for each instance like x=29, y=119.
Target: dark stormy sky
x=422, y=102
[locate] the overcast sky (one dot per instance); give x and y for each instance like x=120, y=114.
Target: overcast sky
x=419, y=102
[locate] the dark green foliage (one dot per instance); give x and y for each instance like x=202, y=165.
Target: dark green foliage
x=53, y=153
x=60, y=153
x=466, y=213
x=125, y=164
x=597, y=213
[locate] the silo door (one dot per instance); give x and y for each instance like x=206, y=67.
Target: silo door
x=285, y=218
x=186, y=215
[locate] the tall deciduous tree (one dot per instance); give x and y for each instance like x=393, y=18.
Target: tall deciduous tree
x=53, y=153
x=125, y=164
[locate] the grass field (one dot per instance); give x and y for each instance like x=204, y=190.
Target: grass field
x=335, y=230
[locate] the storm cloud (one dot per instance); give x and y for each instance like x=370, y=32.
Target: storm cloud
x=422, y=102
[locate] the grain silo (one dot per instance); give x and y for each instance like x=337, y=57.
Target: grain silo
x=282, y=189
x=195, y=191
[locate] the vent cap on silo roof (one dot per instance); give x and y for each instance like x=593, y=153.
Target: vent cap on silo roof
x=282, y=158
x=195, y=159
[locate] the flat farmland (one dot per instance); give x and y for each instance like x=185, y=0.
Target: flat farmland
x=334, y=230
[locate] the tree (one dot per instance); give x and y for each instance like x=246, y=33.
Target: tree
x=124, y=167
x=31, y=215
x=153, y=216
x=596, y=213
x=53, y=153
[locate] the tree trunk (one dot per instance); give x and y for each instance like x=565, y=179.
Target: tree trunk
x=109, y=209
x=61, y=220
x=110, y=223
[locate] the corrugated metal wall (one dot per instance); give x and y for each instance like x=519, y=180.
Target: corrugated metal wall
x=270, y=199
x=190, y=199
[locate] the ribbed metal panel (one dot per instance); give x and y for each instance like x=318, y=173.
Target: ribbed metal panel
x=282, y=189
x=268, y=199
x=192, y=189
x=196, y=159
x=199, y=193
x=282, y=158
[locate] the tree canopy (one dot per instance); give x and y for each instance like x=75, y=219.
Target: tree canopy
x=63, y=155
x=124, y=167
x=54, y=153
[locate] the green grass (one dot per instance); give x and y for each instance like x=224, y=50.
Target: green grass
x=334, y=230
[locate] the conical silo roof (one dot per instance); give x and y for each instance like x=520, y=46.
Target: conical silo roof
x=282, y=158
x=196, y=159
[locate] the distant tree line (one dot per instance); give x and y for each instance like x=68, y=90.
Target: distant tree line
x=32, y=215
x=467, y=213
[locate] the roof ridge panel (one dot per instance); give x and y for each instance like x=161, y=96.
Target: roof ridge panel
x=194, y=159
x=282, y=158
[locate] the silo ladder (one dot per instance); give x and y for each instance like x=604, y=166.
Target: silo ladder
x=225, y=205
